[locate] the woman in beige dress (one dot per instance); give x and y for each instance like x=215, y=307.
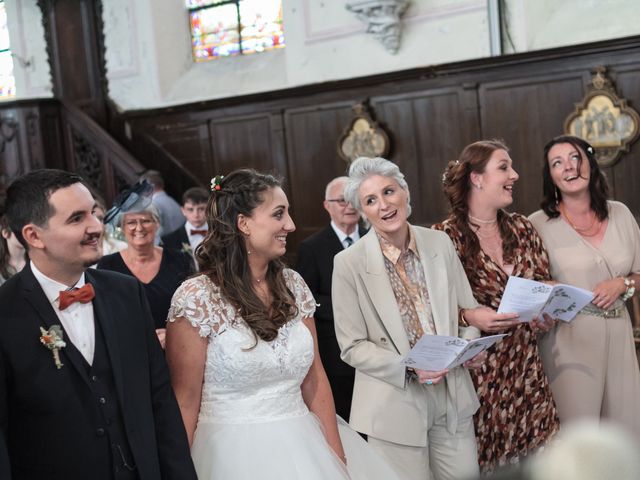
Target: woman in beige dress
x=592, y=243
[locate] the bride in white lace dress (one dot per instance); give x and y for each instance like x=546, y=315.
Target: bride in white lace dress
x=242, y=348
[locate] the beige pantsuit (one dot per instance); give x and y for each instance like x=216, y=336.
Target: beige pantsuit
x=415, y=428
x=591, y=362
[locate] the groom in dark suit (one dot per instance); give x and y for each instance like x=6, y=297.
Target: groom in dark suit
x=84, y=388
x=315, y=264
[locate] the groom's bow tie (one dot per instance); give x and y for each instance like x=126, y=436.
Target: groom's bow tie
x=83, y=295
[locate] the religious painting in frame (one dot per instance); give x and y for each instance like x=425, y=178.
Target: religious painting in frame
x=604, y=120
x=363, y=137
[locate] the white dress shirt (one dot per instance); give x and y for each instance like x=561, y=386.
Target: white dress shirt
x=194, y=240
x=77, y=318
x=355, y=235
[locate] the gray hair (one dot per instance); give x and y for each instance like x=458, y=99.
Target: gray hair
x=332, y=183
x=151, y=209
x=362, y=168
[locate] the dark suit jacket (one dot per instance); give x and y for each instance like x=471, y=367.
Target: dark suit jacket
x=176, y=239
x=315, y=264
x=47, y=415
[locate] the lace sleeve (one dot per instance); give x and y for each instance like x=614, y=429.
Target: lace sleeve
x=197, y=301
x=304, y=298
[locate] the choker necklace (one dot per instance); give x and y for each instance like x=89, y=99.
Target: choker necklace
x=483, y=222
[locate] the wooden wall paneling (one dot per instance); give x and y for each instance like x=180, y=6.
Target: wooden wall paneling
x=429, y=129
x=526, y=113
x=32, y=137
x=312, y=135
x=52, y=136
x=246, y=142
x=73, y=30
x=189, y=143
x=12, y=161
x=624, y=176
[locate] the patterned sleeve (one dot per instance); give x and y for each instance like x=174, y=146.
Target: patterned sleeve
x=304, y=298
x=197, y=300
x=533, y=242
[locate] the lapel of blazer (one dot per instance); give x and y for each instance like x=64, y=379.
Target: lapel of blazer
x=381, y=293
x=104, y=315
x=184, y=238
x=434, y=272
x=34, y=295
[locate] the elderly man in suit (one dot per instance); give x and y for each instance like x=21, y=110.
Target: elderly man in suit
x=396, y=284
x=84, y=387
x=315, y=264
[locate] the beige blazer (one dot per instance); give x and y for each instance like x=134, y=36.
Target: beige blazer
x=372, y=338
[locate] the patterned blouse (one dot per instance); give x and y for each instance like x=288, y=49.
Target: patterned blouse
x=409, y=284
x=517, y=413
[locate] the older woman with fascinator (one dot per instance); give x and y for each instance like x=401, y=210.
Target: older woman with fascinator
x=161, y=271
x=593, y=243
x=397, y=283
x=243, y=351
x=517, y=414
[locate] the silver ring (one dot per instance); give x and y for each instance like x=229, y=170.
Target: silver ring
x=429, y=382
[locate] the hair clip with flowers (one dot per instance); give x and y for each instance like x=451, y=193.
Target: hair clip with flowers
x=215, y=183
x=590, y=149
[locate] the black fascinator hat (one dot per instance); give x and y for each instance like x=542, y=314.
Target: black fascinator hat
x=133, y=199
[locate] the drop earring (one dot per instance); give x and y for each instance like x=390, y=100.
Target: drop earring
x=555, y=191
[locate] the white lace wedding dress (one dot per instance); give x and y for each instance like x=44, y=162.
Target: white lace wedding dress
x=253, y=422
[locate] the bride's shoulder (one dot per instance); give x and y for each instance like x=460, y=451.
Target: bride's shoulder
x=199, y=302
x=304, y=298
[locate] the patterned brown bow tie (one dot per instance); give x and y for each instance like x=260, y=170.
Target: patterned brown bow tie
x=83, y=295
x=199, y=232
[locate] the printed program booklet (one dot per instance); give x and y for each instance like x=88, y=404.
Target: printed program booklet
x=439, y=352
x=530, y=299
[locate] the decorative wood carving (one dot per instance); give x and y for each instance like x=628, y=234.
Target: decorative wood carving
x=74, y=29
x=382, y=18
x=8, y=129
x=604, y=120
x=363, y=137
x=87, y=160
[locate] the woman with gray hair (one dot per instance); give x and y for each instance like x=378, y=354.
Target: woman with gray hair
x=161, y=271
x=397, y=283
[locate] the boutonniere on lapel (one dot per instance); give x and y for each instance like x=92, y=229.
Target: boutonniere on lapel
x=186, y=248
x=52, y=339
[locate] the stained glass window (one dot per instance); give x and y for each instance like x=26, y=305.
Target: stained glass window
x=7, y=80
x=221, y=28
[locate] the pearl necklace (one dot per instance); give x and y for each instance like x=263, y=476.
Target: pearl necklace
x=484, y=222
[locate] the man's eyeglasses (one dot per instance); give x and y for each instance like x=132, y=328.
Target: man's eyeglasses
x=340, y=201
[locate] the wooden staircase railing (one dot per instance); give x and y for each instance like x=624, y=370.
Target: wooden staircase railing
x=94, y=154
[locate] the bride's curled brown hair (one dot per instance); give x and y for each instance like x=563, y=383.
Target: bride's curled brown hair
x=222, y=255
x=456, y=182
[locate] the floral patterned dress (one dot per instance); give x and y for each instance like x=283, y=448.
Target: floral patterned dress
x=517, y=414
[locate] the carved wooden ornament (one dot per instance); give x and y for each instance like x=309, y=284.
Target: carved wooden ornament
x=604, y=120
x=363, y=137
